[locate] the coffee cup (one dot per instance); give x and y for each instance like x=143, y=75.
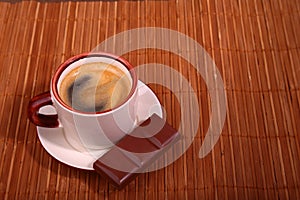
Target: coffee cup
x=94, y=95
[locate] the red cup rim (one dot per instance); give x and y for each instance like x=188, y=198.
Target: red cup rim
x=76, y=58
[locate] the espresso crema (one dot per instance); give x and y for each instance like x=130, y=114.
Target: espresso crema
x=95, y=87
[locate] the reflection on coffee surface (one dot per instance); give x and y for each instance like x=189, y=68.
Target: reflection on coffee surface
x=95, y=87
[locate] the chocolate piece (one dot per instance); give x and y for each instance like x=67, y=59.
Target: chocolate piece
x=136, y=151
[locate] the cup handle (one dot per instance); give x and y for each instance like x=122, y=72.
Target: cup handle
x=44, y=99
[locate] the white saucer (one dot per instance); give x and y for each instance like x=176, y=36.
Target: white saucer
x=54, y=142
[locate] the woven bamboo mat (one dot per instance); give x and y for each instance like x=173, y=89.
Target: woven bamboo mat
x=256, y=47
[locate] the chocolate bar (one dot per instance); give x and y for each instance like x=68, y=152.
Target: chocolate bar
x=136, y=151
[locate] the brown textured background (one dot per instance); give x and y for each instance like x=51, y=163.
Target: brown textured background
x=254, y=43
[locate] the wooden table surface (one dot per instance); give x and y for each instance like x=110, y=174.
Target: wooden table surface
x=255, y=45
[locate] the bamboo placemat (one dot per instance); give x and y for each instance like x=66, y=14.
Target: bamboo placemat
x=255, y=45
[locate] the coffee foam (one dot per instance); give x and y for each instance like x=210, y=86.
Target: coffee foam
x=94, y=87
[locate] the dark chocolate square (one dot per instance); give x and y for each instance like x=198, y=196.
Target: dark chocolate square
x=136, y=151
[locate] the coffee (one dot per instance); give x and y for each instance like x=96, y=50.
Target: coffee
x=95, y=87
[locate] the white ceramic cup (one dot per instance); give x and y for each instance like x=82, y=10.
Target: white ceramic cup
x=91, y=130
